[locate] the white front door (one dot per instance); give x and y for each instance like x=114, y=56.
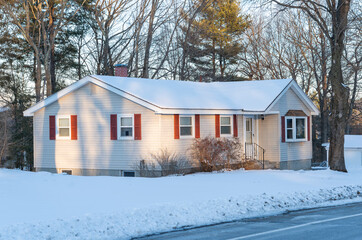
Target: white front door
x=249, y=137
x=249, y=133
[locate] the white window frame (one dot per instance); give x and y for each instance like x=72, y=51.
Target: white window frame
x=231, y=126
x=294, y=129
x=57, y=128
x=119, y=116
x=192, y=126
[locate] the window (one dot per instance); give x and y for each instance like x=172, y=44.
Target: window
x=295, y=128
x=125, y=127
x=67, y=172
x=129, y=174
x=186, y=128
x=63, y=127
x=225, y=125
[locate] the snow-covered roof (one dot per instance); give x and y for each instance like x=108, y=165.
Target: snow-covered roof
x=350, y=141
x=353, y=141
x=246, y=95
x=166, y=96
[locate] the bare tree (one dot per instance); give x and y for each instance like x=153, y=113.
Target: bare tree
x=146, y=59
x=107, y=12
x=337, y=11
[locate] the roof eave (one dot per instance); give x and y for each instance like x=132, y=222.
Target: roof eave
x=299, y=92
x=49, y=100
x=90, y=79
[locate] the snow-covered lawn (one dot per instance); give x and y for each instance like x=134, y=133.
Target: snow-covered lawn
x=51, y=206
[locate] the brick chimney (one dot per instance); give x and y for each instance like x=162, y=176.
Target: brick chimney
x=121, y=70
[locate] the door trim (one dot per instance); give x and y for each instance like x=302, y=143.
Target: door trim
x=255, y=128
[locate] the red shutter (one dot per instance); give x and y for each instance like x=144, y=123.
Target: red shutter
x=217, y=125
x=137, y=127
x=74, y=127
x=283, y=129
x=113, y=126
x=235, y=125
x=308, y=119
x=197, y=126
x=176, y=124
x=51, y=127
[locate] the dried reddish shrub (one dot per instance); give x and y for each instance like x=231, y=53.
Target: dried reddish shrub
x=216, y=153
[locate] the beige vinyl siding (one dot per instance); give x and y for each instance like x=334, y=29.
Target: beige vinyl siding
x=269, y=137
x=290, y=151
x=182, y=145
x=168, y=140
x=93, y=106
x=93, y=149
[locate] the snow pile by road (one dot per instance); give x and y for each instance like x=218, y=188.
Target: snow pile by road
x=50, y=206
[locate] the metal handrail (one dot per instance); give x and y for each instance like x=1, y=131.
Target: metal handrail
x=254, y=152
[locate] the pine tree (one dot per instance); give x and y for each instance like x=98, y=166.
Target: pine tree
x=213, y=43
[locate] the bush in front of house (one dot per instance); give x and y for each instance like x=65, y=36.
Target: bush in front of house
x=171, y=163
x=164, y=163
x=217, y=153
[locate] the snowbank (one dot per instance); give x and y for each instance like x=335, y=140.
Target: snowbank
x=50, y=206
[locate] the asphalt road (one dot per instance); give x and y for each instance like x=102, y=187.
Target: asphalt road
x=331, y=223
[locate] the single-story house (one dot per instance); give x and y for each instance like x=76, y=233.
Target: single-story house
x=352, y=151
x=105, y=125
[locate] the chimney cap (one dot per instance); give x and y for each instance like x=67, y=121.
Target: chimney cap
x=120, y=65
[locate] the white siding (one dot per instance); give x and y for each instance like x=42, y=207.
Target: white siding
x=290, y=151
x=93, y=106
x=93, y=149
x=182, y=145
x=269, y=137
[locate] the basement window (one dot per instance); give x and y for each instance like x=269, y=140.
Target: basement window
x=67, y=172
x=129, y=174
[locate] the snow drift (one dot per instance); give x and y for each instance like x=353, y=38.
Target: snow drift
x=50, y=206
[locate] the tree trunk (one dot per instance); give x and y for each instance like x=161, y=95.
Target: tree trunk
x=339, y=113
x=105, y=69
x=48, y=78
x=356, y=69
x=145, y=72
x=79, y=59
x=38, y=77
x=213, y=59
x=136, y=52
x=52, y=46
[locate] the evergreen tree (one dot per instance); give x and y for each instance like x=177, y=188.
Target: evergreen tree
x=15, y=94
x=214, y=37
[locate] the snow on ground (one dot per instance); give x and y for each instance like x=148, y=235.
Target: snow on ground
x=50, y=206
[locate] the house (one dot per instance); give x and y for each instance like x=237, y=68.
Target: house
x=352, y=151
x=104, y=125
